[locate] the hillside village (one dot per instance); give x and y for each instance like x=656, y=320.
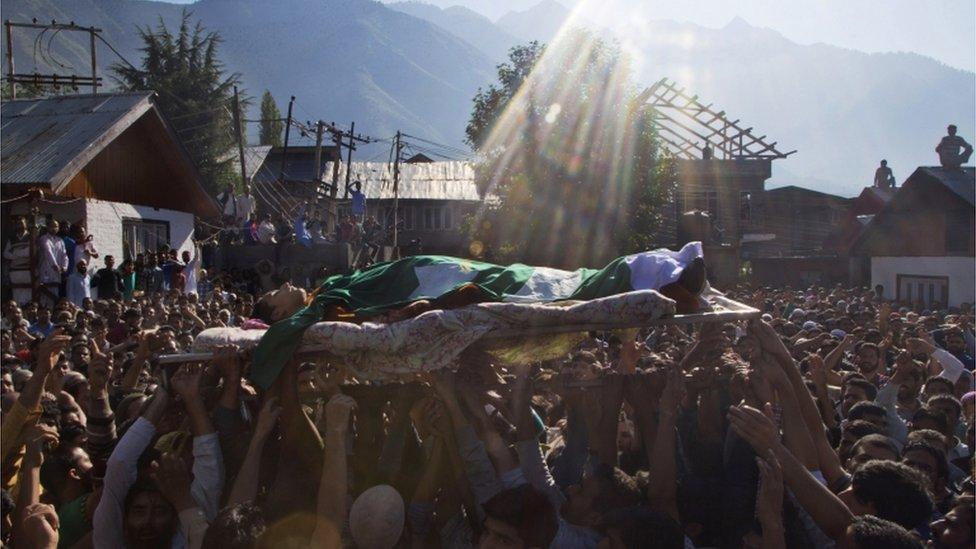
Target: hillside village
x=344, y=273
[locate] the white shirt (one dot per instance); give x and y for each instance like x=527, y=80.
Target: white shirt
x=53, y=258
x=245, y=206
x=190, y=272
x=78, y=287
x=266, y=231
x=84, y=250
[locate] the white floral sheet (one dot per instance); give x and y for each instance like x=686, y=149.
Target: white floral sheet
x=435, y=339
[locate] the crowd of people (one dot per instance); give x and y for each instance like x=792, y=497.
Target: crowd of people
x=837, y=419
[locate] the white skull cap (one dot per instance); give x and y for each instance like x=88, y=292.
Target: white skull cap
x=376, y=518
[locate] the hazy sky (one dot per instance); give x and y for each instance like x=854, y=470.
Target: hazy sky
x=943, y=29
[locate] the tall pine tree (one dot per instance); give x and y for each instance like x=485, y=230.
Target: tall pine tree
x=272, y=125
x=194, y=93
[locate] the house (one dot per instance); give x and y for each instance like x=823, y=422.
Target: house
x=921, y=246
x=721, y=167
x=279, y=187
x=433, y=200
x=800, y=219
x=110, y=161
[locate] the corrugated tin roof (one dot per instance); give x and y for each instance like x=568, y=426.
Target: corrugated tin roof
x=449, y=180
x=42, y=139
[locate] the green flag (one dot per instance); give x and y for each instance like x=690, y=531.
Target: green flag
x=388, y=286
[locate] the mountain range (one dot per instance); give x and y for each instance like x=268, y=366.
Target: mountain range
x=415, y=67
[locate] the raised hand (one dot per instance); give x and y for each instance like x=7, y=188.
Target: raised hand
x=337, y=412
x=173, y=480
x=186, y=382
x=227, y=360
x=755, y=427
x=41, y=526
x=267, y=418
x=818, y=370
x=769, y=499
x=39, y=437
x=674, y=392
x=99, y=370
x=49, y=350
x=918, y=345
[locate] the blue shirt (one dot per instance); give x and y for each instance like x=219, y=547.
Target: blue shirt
x=358, y=203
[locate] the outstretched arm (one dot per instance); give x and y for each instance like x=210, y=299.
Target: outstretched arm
x=663, y=488
x=333, y=487
x=826, y=509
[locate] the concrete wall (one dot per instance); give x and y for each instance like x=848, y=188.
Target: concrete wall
x=961, y=272
x=104, y=220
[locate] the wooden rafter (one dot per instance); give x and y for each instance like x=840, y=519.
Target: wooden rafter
x=691, y=125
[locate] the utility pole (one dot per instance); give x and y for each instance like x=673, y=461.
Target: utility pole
x=318, y=160
x=10, y=64
x=330, y=219
x=240, y=136
x=53, y=80
x=352, y=145
x=396, y=194
x=284, y=152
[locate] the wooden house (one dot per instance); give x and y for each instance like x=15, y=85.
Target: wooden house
x=921, y=245
x=109, y=161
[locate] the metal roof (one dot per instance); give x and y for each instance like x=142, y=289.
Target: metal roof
x=449, y=180
x=46, y=141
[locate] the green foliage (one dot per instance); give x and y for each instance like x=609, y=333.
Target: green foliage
x=271, y=121
x=490, y=102
x=24, y=91
x=193, y=92
x=573, y=171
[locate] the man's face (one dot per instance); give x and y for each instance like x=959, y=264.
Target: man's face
x=866, y=360
x=852, y=395
x=955, y=343
x=52, y=227
x=80, y=355
x=909, y=388
x=578, y=508
x=955, y=531
x=87, y=304
x=949, y=411
x=43, y=316
x=186, y=256
x=149, y=521
x=110, y=262
x=499, y=535
x=82, y=267
x=924, y=463
x=6, y=384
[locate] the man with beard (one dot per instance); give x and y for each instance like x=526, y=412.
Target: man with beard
x=867, y=360
x=66, y=476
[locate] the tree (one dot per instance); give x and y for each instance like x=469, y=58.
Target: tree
x=489, y=103
x=572, y=169
x=271, y=121
x=193, y=92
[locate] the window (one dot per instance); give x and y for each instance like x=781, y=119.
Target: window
x=923, y=290
x=143, y=235
x=404, y=217
x=437, y=218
